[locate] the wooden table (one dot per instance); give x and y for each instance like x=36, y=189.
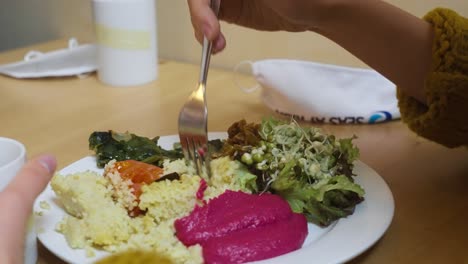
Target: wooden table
x=429, y=182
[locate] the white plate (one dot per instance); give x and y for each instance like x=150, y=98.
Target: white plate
x=340, y=242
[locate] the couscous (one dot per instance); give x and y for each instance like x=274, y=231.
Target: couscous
x=98, y=208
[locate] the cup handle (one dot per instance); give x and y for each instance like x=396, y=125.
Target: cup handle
x=236, y=81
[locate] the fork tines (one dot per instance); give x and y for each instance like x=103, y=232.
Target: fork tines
x=195, y=148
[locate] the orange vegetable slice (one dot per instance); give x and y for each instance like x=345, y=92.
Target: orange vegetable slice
x=138, y=172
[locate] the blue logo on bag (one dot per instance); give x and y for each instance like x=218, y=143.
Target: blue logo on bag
x=379, y=117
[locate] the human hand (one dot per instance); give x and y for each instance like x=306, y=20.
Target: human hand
x=267, y=15
x=16, y=202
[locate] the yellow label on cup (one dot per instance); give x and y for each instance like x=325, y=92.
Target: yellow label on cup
x=123, y=38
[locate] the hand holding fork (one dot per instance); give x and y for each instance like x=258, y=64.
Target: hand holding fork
x=193, y=116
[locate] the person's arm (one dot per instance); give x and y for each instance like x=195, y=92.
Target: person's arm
x=427, y=58
x=388, y=39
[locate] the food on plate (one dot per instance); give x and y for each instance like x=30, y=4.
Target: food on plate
x=135, y=256
x=44, y=205
x=127, y=178
x=97, y=220
x=311, y=170
x=112, y=145
x=237, y=227
x=94, y=216
x=267, y=181
x=100, y=207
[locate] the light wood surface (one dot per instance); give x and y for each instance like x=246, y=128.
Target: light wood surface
x=429, y=182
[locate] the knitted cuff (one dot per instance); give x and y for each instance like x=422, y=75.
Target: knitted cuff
x=445, y=118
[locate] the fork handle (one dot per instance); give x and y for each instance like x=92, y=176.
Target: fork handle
x=205, y=61
x=207, y=45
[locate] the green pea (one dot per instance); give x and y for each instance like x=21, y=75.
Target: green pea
x=270, y=146
x=257, y=157
x=247, y=158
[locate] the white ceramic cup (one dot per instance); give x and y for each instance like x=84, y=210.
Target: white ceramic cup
x=12, y=158
x=127, y=41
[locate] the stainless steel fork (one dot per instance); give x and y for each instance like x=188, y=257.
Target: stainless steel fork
x=193, y=117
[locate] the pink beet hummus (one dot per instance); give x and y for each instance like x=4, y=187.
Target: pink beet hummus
x=237, y=227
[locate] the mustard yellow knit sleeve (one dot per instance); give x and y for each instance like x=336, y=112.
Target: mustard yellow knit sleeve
x=445, y=118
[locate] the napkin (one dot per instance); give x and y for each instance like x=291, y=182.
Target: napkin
x=324, y=93
x=74, y=60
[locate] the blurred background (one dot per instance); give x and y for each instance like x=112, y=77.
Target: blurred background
x=26, y=22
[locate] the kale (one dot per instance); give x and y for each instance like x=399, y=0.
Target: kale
x=111, y=145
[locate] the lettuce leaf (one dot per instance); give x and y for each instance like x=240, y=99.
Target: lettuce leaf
x=332, y=200
x=340, y=182
x=244, y=179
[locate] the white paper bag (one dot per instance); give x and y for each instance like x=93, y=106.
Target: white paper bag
x=74, y=60
x=323, y=93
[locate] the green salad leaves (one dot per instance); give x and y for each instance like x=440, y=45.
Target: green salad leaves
x=311, y=170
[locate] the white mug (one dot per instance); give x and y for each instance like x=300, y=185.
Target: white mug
x=12, y=158
x=126, y=41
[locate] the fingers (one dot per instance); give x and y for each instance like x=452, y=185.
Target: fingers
x=219, y=44
x=31, y=180
x=204, y=20
x=16, y=203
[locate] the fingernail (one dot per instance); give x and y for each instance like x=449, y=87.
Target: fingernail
x=49, y=162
